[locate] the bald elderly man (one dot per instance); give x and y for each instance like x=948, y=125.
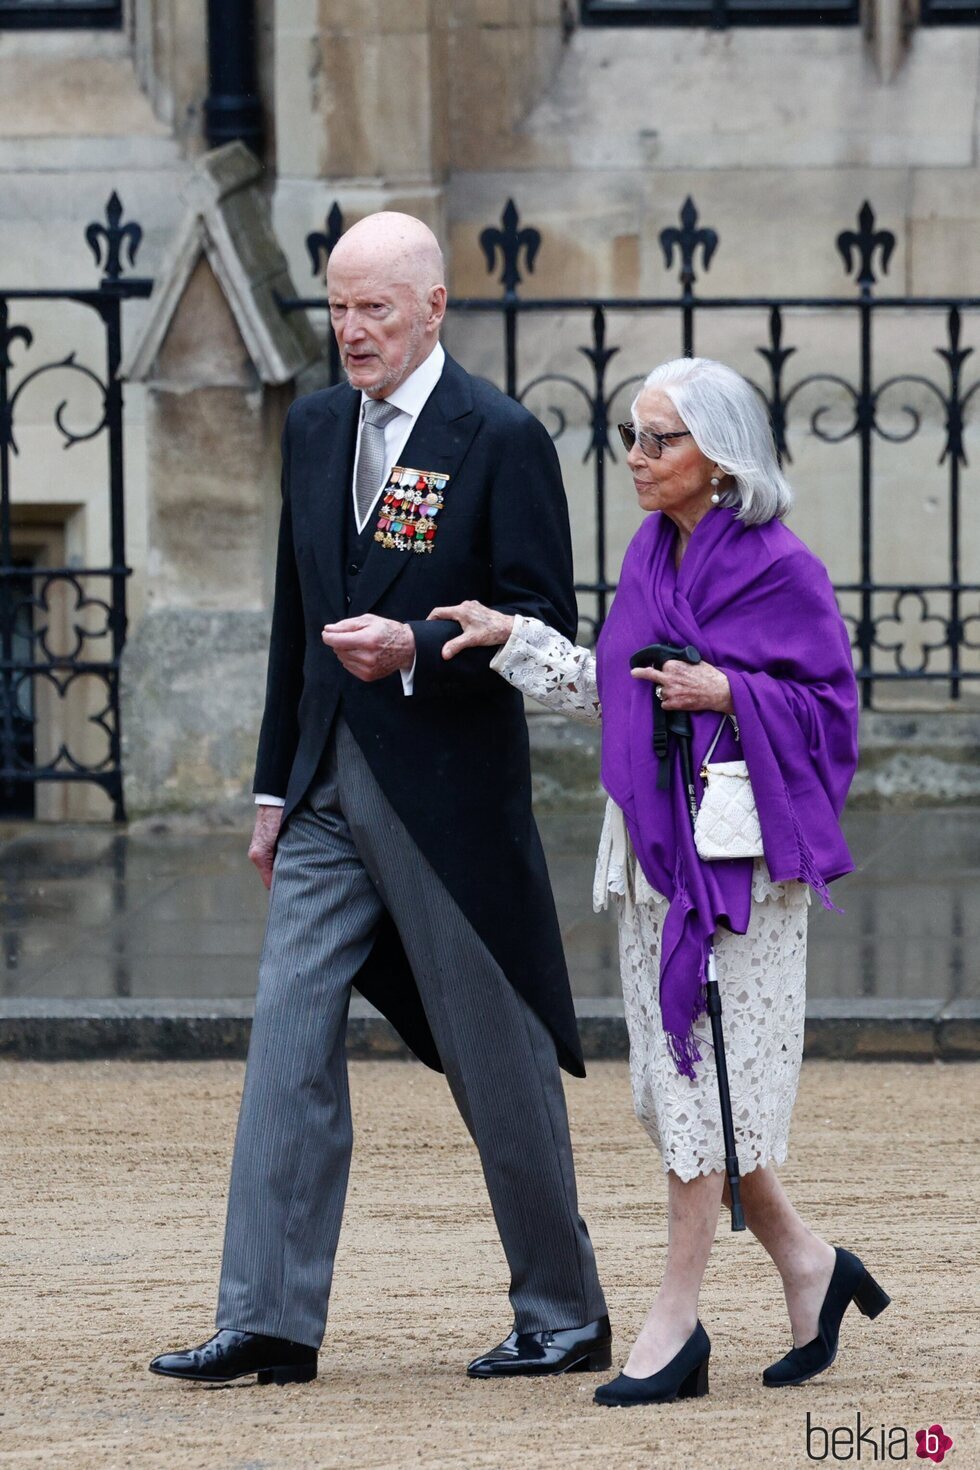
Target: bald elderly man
x=394, y=827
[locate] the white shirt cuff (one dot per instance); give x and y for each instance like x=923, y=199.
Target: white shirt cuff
x=262, y=800
x=408, y=678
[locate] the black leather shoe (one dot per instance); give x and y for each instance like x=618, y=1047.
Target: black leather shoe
x=585, y=1349
x=851, y=1282
x=229, y=1355
x=684, y=1377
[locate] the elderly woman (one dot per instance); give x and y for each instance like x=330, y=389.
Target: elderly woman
x=712, y=565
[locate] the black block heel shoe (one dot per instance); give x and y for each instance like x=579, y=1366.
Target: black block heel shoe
x=851, y=1282
x=685, y=1377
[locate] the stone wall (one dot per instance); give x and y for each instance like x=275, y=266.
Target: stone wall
x=602, y=133
x=778, y=134
x=387, y=98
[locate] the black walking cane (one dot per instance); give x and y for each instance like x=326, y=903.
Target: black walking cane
x=676, y=724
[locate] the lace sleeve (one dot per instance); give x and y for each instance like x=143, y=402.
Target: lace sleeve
x=540, y=662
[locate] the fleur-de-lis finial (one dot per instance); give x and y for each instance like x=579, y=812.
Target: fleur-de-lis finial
x=777, y=356
x=865, y=240
x=600, y=357
x=109, y=239
x=954, y=357
x=688, y=239
x=511, y=241
x=320, y=243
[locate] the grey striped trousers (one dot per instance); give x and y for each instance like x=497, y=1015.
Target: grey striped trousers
x=343, y=860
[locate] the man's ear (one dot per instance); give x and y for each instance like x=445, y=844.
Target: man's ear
x=437, y=306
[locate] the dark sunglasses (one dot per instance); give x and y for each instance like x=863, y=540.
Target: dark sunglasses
x=651, y=443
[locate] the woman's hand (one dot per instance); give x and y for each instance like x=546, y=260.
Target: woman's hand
x=690, y=686
x=482, y=627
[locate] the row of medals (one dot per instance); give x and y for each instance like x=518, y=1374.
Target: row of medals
x=408, y=512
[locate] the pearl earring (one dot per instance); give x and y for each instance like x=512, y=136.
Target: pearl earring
x=715, y=498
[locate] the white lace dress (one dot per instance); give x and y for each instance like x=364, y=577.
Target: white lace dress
x=761, y=974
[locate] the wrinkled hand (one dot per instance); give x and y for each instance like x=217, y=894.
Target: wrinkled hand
x=370, y=647
x=482, y=627
x=691, y=686
x=265, y=835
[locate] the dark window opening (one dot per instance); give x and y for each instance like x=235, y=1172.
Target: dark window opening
x=39, y=15
x=948, y=13
x=721, y=13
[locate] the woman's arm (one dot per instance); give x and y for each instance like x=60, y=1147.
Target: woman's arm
x=531, y=656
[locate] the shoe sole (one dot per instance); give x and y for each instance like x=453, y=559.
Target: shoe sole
x=263, y=1376
x=597, y=1360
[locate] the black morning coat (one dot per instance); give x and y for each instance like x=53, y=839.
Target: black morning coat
x=452, y=758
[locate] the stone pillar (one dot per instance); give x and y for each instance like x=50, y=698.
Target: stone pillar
x=219, y=361
x=377, y=102
x=170, y=51
x=359, y=97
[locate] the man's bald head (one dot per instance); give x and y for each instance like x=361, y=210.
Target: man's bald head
x=398, y=246
x=385, y=283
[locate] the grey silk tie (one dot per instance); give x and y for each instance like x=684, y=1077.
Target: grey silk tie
x=371, y=456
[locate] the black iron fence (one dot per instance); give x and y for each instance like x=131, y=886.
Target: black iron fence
x=918, y=629
x=63, y=625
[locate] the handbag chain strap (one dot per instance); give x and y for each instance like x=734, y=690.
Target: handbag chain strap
x=717, y=736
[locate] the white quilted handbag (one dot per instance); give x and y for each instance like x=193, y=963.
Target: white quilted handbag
x=728, y=821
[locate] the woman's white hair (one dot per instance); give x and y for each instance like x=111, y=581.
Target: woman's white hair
x=729, y=424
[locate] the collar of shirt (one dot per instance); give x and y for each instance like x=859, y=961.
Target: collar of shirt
x=411, y=397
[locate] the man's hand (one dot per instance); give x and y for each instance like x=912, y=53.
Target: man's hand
x=265, y=835
x=370, y=647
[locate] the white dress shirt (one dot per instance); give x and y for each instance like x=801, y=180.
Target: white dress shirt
x=410, y=397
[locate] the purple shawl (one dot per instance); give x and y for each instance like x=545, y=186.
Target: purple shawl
x=758, y=604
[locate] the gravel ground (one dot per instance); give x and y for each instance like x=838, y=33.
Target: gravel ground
x=111, y=1216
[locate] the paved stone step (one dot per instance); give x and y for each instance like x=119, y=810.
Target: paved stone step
x=62, y=1029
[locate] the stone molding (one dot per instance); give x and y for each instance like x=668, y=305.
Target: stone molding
x=888, y=26
x=227, y=220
